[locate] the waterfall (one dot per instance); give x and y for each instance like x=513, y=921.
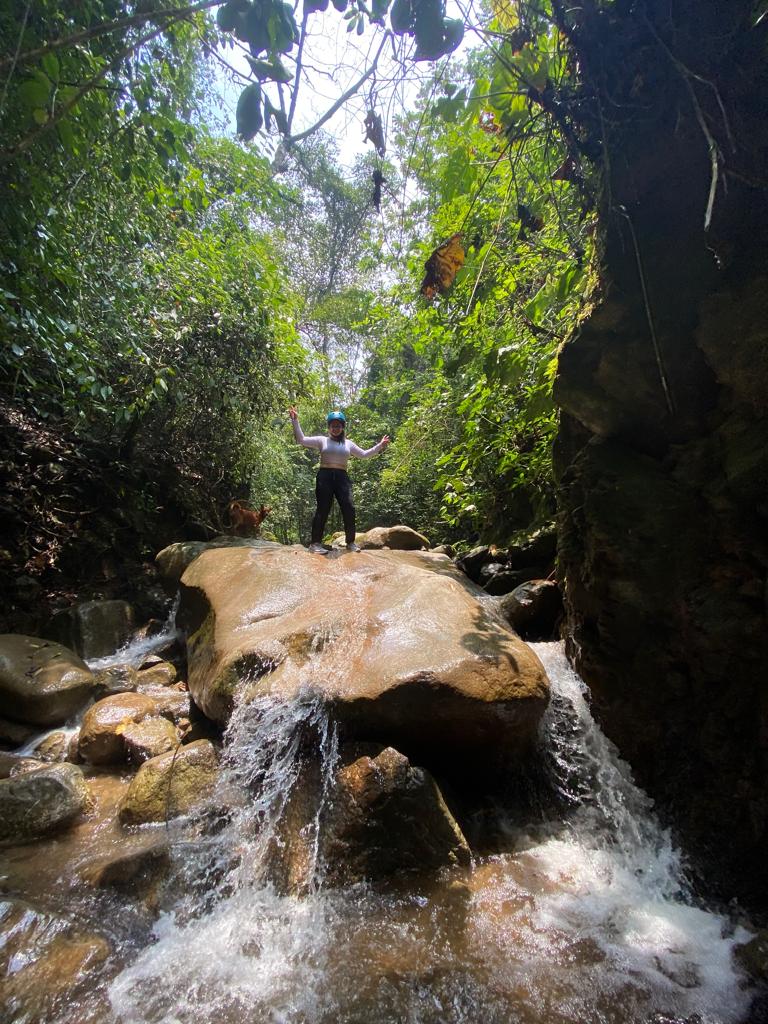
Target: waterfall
x=585, y=917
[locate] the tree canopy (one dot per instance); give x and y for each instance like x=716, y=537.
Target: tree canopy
x=170, y=291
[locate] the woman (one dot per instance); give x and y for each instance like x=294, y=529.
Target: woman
x=332, y=478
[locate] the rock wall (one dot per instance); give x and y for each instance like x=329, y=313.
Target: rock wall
x=663, y=448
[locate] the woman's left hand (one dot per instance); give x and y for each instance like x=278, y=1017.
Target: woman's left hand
x=385, y=440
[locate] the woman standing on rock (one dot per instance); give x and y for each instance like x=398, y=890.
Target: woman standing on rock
x=332, y=477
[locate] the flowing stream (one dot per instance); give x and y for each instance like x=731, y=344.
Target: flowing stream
x=585, y=915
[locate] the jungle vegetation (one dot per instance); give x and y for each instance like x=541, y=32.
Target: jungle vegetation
x=167, y=289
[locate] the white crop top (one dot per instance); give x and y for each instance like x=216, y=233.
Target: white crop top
x=333, y=454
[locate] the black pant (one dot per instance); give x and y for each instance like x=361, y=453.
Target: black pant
x=332, y=483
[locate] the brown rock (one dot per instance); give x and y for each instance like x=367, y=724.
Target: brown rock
x=117, y=679
x=161, y=674
x=12, y=764
x=386, y=817
x=173, y=561
x=173, y=705
x=101, y=740
x=148, y=738
x=55, y=747
x=170, y=784
x=33, y=803
x=533, y=609
x=41, y=682
x=52, y=962
x=139, y=873
x=395, y=644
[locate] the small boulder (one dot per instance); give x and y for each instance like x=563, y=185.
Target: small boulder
x=34, y=803
x=41, y=682
x=506, y=580
x=388, y=816
x=534, y=609
x=117, y=679
x=55, y=747
x=149, y=738
x=173, y=705
x=396, y=538
x=138, y=874
x=102, y=627
x=171, y=784
x=12, y=764
x=443, y=549
x=101, y=740
x=473, y=561
x=161, y=674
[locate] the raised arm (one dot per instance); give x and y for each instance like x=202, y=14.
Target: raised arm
x=298, y=433
x=366, y=453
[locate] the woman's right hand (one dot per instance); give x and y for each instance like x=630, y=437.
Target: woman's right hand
x=292, y=413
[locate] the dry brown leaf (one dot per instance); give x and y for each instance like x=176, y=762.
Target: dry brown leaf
x=442, y=266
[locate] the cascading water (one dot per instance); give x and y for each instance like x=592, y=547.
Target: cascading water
x=583, y=919
x=133, y=654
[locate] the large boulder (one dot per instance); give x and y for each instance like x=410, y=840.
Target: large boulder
x=39, y=801
x=170, y=784
x=41, y=682
x=173, y=561
x=388, y=816
x=397, y=645
x=101, y=740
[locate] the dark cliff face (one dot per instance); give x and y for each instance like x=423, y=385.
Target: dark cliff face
x=663, y=447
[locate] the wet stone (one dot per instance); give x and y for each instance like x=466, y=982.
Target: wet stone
x=41, y=800
x=149, y=738
x=101, y=740
x=171, y=784
x=41, y=682
x=117, y=679
x=54, y=747
x=45, y=962
x=161, y=674
x=15, y=734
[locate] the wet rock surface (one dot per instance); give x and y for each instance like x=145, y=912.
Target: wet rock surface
x=41, y=682
x=148, y=738
x=101, y=740
x=101, y=627
x=387, y=816
x=39, y=801
x=170, y=784
x=403, y=652
x=45, y=962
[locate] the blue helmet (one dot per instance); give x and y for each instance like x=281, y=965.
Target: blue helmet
x=337, y=414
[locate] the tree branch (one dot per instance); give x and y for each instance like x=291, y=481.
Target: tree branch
x=106, y=28
x=295, y=93
x=29, y=140
x=341, y=100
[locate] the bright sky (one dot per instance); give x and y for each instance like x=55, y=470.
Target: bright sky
x=333, y=60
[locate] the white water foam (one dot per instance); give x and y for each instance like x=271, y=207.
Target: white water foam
x=589, y=923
